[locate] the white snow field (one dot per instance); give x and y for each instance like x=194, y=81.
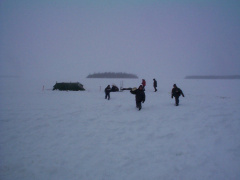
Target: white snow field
x=79, y=135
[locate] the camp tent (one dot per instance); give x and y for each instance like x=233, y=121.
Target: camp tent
x=64, y=86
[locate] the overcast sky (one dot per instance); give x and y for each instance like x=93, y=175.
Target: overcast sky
x=150, y=38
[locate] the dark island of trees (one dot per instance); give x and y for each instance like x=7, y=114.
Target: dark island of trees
x=213, y=77
x=112, y=75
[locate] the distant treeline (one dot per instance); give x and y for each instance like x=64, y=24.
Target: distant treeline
x=213, y=77
x=112, y=75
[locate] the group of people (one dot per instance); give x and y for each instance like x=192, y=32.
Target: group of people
x=140, y=93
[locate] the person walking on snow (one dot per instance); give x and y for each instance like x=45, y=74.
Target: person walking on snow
x=176, y=92
x=155, y=85
x=143, y=84
x=107, y=92
x=140, y=96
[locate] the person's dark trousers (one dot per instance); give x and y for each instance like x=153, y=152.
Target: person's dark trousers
x=107, y=96
x=177, y=100
x=155, y=89
x=139, y=104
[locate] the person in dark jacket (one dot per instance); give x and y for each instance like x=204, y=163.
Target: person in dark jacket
x=176, y=92
x=155, y=85
x=107, y=92
x=140, y=96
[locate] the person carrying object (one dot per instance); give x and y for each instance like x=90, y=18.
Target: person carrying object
x=139, y=96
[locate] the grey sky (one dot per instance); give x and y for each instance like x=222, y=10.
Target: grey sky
x=55, y=39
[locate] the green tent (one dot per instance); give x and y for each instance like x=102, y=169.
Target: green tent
x=68, y=86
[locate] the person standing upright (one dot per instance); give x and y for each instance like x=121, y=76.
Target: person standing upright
x=155, y=85
x=107, y=92
x=140, y=96
x=176, y=92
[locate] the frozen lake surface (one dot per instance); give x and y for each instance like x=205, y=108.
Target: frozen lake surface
x=80, y=135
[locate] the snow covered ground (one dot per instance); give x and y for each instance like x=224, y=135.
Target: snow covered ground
x=80, y=135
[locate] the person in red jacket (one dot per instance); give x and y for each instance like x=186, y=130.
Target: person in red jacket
x=143, y=84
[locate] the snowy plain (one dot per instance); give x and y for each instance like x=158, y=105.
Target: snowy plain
x=59, y=135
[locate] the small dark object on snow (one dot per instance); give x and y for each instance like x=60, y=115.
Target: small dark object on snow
x=68, y=86
x=114, y=88
x=122, y=89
